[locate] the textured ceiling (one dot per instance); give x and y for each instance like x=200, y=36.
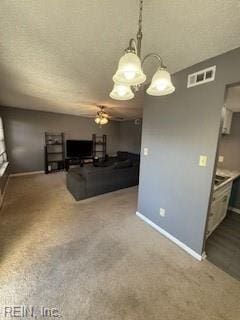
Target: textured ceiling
x=233, y=99
x=60, y=55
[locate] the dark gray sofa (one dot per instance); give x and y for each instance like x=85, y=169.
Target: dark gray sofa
x=88, y=181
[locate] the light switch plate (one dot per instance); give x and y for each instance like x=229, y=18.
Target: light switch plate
x=220, y=158
x=162, y=212
x=202, y=161
x=145, y=151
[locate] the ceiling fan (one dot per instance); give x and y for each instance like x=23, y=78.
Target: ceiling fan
x=105, y=111
x=101, y=117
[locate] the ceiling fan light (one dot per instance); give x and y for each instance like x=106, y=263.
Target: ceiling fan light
x=101, y=117
x=103, y=120
x=161, y=83
x=97, y=120
x=129, y=70
x=121, y=92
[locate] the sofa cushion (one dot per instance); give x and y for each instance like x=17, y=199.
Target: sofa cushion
x=134, y=157
x=75, y=171
x=123, y=164
x=109, y=162
x=90, y=172
x=122, y=155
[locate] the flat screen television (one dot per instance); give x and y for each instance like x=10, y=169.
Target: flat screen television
x=79, y=148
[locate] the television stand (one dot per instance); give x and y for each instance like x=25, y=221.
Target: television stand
x=76, y=161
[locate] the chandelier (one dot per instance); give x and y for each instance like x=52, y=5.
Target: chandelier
x=101, y=117
x=130, y=76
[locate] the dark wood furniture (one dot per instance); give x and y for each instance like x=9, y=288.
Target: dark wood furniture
x=99, y=153
x=54, y=152
x=99, y=147
x=76, y=161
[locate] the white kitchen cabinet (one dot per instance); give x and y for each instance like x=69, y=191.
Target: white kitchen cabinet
x=227, y=121
x=219, y=207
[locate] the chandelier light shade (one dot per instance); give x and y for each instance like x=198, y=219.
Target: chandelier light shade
x=129, y=70
x=161, y=83
x=121, y=92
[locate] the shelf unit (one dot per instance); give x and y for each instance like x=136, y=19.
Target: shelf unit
x=54, y=152
x=99, y=146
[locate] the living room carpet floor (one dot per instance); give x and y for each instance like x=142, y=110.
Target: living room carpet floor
x=95, y=260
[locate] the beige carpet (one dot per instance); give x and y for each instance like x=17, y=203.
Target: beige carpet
x=95, y=260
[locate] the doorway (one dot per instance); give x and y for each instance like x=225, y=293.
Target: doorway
x=223, y=227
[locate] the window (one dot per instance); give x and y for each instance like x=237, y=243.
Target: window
x=3, y=154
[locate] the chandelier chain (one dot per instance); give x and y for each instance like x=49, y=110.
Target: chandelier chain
x=130, y=76
x=140, y=16
x=139, y=33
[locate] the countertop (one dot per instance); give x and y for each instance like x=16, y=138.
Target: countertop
x=226, y=173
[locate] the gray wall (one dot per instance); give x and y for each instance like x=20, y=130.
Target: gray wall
x=130, y=136
x=177, y=129
x=230, y=146
x=24, y=133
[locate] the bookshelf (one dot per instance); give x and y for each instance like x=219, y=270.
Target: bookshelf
x=54, y=152
x=99, y=146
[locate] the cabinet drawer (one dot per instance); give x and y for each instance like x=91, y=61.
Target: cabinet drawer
x=219, y=207
x=222, y=191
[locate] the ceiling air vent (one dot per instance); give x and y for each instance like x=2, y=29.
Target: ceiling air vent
x=201, y=77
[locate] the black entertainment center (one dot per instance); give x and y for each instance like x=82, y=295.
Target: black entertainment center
x=78, y=151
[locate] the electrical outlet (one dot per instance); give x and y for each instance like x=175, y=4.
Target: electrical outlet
x=145, y=151
x=220, y=158
x=162, y=212
x=202, y=161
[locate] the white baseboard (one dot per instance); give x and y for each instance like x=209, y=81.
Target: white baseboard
x=173, y=239
x=235, y=210
x=25, y=173
x=204, y=255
